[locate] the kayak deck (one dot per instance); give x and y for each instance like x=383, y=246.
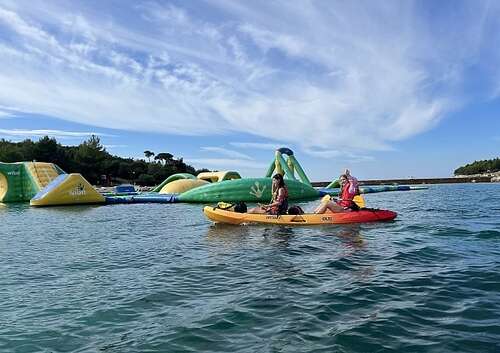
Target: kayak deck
x=229, y=217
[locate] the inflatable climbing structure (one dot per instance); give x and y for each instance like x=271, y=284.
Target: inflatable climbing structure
x=44, y=184
x=19, y=182
x=257, y=189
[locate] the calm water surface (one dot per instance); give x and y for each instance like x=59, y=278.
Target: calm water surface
x=161, y=278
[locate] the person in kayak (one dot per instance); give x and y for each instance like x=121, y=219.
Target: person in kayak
x=279, y=202
x=353, y=182
x=345, y=203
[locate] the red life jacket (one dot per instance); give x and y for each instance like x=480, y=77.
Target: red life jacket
x=346, y=195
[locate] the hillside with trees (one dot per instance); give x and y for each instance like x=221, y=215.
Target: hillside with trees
x=91, y=159
x=479, y=167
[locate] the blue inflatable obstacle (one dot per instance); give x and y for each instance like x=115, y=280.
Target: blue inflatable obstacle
x=121, y=190
x=141, y=198
x=125, y=189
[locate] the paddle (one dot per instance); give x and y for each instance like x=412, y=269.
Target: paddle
x=358, y=200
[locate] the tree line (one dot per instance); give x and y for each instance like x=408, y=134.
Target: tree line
x=97, y=165
x=479, y=167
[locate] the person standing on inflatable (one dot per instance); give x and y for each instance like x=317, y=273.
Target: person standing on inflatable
x=279, y=202
x=345, y=203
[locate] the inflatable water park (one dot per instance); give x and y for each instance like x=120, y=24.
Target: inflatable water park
x=45, y=184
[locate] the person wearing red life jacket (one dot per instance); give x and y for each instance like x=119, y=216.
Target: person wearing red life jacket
x=345, y=202
x=353, y=182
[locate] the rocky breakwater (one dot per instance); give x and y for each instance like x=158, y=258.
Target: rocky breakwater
x=494, y=176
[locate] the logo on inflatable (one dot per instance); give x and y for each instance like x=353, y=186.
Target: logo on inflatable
x=79, y=190
x=12, y=173
x=257, y=190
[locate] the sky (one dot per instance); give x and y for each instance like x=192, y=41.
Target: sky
x=388, y=89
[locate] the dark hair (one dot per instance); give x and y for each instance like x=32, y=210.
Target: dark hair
x=281, y=184
x=281, y=181
x=295, y=210
x=240, y=207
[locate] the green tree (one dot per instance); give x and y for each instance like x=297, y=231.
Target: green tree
x=148, y=155
x=91, y=159
x=165, y=157
x=479, y=167
x=10, y=152
x=46, y=150
x=90, y=156
x=146, y=179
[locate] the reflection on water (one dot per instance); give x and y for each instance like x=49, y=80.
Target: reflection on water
x=16, y=206
x=351, y=235
x=226, y=234
x=278, y=235
x=348, y=238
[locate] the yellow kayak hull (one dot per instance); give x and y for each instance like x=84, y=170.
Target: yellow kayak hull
x=229, y=217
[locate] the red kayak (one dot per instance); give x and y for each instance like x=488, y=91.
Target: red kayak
x=365, y=215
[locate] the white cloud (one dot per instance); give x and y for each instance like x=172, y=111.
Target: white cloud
x=339, y=155
x=326, y=76
x=114, y=146
x=327, y=154
x=9, y=112
x=360, y=158
x=257, y=145
x=224, y=163
x=5, y=114
x=267, y=40
x=226, y=152
x=50, y=133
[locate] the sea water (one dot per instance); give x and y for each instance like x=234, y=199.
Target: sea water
x=162, y=278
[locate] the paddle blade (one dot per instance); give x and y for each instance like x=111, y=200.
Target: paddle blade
x=360, y=201
x=326, y=198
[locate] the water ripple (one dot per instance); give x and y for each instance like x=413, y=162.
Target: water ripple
x=160, y=278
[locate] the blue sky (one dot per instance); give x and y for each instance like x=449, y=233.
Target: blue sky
x=386, y=88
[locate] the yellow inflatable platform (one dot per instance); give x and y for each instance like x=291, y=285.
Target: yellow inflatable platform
x=215, y=177
x=182, y=182
x=181, y=185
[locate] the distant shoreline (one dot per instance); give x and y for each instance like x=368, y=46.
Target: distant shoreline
x=413, y=181
x=409, y=181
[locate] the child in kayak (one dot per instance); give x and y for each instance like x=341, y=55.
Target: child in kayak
x=279, y=202
x=345, y=203
x=354, y=184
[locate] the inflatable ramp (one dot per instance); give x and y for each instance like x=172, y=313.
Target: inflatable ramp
x=67, y=189
x=19, y=182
